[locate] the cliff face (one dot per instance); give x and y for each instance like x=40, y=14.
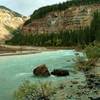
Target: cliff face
x=71, y=18
x=10, y=19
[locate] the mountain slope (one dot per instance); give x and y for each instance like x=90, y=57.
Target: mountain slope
x=14, y=13
x=69, y=15
x=11, y=19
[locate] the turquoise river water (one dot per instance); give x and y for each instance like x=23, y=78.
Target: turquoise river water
x=15, y=69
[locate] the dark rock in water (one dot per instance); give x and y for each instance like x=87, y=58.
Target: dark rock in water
x=93, y=81
x=77, y=54
x=94, y=98
x=41, y=70
x=97, y=84
x=68, y=60
x=90, y=86
x=43, y=98
x=60, y=72
x=90, y=80
x=61, y=86
x=92, y=75
x=74, y=82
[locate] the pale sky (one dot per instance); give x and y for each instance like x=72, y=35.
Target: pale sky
x=26, y=7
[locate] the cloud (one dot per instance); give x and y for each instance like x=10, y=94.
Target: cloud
x=26, y=7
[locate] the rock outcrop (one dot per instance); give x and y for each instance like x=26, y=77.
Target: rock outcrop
x=71, y=18
x=60, y=72
x=41, y=70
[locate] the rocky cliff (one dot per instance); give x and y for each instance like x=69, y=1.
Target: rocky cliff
x=73, y=17
x=11, y=19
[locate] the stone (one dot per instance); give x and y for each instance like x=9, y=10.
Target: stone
x=77, y=54
x=74, y=82
x=60, y=72
x=44, y=98
x=41, y=70
x=92, y=75
x=90, y=86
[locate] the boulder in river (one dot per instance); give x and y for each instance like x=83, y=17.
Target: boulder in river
x=60, y=72
x=41, y=70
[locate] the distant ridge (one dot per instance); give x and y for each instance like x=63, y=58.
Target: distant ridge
x=14, y=13
x=9, y=21
x=43, y=11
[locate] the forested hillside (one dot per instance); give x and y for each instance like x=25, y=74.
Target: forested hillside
x=62, y=6
x=71, y=15
x=82, y=36
x=41, y=12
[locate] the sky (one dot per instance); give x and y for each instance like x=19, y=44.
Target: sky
x=26, y=7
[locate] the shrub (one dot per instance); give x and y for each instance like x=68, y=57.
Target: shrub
x=93, y=51
x=30, y=91
x=85, y=65
x=93, y=54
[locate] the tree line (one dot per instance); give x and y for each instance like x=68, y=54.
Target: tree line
x=82, y=36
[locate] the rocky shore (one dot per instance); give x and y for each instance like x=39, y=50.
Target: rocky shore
x=89, y=90
x=77, y=88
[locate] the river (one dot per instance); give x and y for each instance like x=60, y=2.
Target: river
x=17, y=68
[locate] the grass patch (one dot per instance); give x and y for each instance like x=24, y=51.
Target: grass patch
x=31, y=91
x=93, y=51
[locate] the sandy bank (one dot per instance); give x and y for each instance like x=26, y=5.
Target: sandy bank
x=7, y=50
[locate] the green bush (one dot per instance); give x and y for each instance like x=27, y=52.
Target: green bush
x=30, y=91
x=85, y=65
x=92, y=52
